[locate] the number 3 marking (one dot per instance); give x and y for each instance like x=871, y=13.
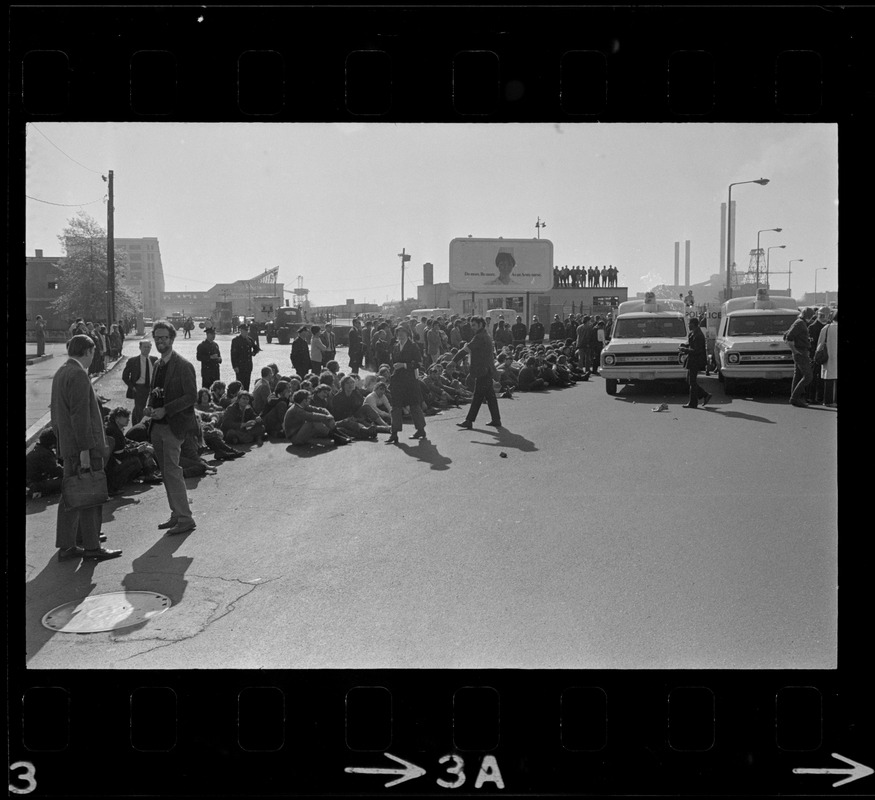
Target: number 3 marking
x=29, y=772
x=457, y=769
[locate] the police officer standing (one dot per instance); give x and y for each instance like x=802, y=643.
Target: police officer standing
x=210, y=357
x=242, y=350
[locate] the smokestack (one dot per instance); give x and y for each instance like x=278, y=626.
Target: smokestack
x=428, y=274
x=677, y=260
x=687, y=264
x=722, y=238
x=731, y=236
x=39, y=253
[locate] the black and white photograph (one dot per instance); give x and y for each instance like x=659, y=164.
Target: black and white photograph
x=256, y=379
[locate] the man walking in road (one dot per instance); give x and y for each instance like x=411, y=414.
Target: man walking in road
x=171, y=408
x=78, y=427
x=210, y=357
x=482, y=354
x=137, y=376
x=800, y=344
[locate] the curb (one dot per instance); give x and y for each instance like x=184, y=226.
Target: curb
x=31, y=360
x=32, y=433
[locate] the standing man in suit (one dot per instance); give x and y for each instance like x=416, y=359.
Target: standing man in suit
x=171, y=408
x=137, y=376
x=242, y=350
x=300, y=354
x=482, y=353
x=356, y=351
x=210, y=357
x=78, y=427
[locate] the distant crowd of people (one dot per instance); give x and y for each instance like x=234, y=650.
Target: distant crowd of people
x=814, y=339
x=579, y=277
x=107, y=343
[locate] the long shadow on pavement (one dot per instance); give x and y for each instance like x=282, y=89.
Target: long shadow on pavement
x=58, y=583
x=504, y=438
x=427, y=452
x=158, y=570
x=739, y=415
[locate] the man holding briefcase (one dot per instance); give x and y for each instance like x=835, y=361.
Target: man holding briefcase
x=78, y=426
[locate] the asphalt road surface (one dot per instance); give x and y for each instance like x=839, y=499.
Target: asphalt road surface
x=609, y=536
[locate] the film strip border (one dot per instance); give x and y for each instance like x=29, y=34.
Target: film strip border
x=325, y=733
x=430, y=64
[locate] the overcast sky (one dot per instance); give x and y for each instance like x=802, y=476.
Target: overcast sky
x=335, y=203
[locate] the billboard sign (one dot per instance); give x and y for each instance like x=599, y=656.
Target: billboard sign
x=501, y=266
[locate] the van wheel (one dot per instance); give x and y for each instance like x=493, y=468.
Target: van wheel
x=730, y=385
x=720, y=376
x=611, y=386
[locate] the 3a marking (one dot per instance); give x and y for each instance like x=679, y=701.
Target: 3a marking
x=489, y=772
x=29, y=776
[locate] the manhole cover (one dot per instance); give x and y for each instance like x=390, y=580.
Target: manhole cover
x=106, y=612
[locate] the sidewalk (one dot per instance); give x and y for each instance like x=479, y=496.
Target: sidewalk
x=38, y=382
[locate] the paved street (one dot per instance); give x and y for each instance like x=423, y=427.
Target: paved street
x=608, y=537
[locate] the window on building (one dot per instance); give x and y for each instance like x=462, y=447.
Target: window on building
x=53, y=285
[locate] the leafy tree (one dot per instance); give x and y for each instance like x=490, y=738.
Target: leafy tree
x=82, y=280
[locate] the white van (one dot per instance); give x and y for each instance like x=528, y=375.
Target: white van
x=645, y=343
x=430, y=313
x=750, y=340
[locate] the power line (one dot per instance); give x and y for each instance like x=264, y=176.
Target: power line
x=65, y=205
x=96, y=172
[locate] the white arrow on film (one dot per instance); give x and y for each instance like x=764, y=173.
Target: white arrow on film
x=856, y=771
x=408, y=772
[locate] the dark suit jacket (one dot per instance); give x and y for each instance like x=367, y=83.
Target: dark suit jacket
x=482, y=354
x=76, y=417
x=180, y=395
x=300, y=355
x=131, y=374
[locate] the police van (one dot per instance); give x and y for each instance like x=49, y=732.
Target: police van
x=645, y=343
x=750, y=343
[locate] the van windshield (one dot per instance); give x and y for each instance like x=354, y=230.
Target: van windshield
x=760, y=324
x=652, y=328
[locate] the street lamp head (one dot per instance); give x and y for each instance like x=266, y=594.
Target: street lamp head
x=761, y=181
x=777, y=230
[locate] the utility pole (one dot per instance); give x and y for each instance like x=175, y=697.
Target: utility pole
x=404, y=256
x=110, y=255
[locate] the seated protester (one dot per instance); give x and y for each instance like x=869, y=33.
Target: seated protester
x=429, y=401
x=214, y=439
x=217, y=393
x=379, y=402
x=528, y=379
x=436, y=387
x=562, y=377
x=333, y=368
x=344, y=428
x=240, y=424
x=42, y=470
x=275, y=376
x=302, y=423
x=205, y=403
x=193, y=466
x=231, y=394
x=126, y=459
x=545, y=372
x=564, y=371
x=453, y=385
x=275, y=409
x=261, y=390
x=349, y=402
x=507, y=376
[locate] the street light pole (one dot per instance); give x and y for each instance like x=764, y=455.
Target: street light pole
x=790, y=272
x=764, y=230
x=815, y=282
x=768, y=253
x=761, y=182
x=539, y=225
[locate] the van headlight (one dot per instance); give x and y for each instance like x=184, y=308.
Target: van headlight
x=610, y=360
x=733, y=358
